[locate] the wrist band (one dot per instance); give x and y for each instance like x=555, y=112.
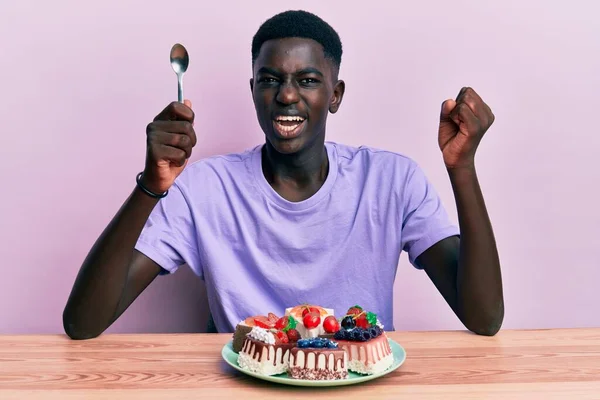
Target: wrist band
x=148, y=192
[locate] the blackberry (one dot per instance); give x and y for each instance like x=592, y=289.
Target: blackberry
x=365, y=335
x=356, y=334
x=340, y=335
x=348, y=322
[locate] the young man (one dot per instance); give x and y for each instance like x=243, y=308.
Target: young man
x=298, y=219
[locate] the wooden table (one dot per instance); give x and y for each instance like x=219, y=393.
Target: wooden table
x=536, y=364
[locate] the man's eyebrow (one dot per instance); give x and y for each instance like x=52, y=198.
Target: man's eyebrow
x=303, y=71
x=309, y=70
x=267, y=70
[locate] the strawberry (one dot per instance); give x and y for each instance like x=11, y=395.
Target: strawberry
x=311, y=320
x=331, y=325
x=272, y=317
x=354, y=310
x=281, y=323
x=263, y=322
x=281, y=337
x=309, y=309
x=361, y=321
x=293, y=335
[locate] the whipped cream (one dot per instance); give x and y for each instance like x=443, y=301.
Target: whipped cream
x=262, y=335
x=379, y=324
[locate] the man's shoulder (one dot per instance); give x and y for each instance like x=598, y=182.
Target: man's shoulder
x=373, y=157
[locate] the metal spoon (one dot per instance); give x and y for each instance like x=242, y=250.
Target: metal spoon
x=179, y=63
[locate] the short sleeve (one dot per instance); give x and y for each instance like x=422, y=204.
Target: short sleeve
x=169, y=236
x=425, y=220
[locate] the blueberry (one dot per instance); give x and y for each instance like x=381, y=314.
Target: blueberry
x=355, y=334
x=332, y=345
x=348, y=322
x=373, y=332
x=303, y=343
x=318, y=344
x=365, y=335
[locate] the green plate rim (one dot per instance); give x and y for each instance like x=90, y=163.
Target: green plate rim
x=397, y=350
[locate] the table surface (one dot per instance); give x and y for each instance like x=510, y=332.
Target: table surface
x=528, y=364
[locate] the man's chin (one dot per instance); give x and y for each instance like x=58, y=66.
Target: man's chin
x=286, y=146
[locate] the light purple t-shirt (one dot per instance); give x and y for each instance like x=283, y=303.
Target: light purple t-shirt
x=260, y=253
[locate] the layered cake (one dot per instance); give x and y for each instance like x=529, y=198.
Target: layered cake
x=366, y=344
x=244, y=327
x=264, y=352
x=310, y=319
x=318, y=359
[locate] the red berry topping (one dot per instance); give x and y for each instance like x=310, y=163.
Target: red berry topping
x=272, y=318
x=281, y=323
x=281, y=337
x=263, y=322
x=293, y=335
x=331, y=325
x=361, y=321
x=311, y=320
x=308, y=309
x=354, y=310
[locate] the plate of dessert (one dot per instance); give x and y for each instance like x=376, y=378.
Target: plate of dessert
x=309, y=346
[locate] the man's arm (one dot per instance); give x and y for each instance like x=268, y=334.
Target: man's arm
x=114, y=273
x=466, y=271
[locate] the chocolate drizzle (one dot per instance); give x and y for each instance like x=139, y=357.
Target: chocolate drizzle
x=254, y=347
x=338, y=355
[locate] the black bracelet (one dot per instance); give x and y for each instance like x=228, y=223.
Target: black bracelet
x=148, y=192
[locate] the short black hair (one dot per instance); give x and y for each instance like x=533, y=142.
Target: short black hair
x=302, y=24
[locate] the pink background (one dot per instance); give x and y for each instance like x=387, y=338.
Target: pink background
x=79, y=83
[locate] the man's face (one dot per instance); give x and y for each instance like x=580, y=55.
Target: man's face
x=294, y=87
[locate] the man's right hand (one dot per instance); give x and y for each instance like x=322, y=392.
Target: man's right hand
x=170, y=139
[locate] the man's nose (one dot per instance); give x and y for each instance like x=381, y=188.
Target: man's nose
x=288, y=93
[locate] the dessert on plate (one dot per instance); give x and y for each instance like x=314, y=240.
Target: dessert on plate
x=265, y=352
x=318, y=359
x=308, y=342
x=244, y=327
x=365, y=342
x=309, y=319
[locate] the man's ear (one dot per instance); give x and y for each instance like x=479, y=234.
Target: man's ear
x=338, y=95
x=252, y=85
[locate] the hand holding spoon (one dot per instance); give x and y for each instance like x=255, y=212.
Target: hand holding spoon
x=179, y=63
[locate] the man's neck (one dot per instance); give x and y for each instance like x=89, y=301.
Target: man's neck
x=297, y=176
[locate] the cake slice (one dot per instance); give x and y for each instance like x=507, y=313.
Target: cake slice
x=244, y=327
x=318, y=359
x=263, y=354
x=363, y=339
x=309, y=319
x=368, y=357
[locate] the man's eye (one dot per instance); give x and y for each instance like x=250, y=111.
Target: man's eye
x=309, y=81
x=267, y=80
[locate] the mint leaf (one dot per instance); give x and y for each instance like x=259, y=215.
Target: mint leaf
x=372, y=318
x=291, y=324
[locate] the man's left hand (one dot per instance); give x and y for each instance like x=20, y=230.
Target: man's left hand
x=463, y=122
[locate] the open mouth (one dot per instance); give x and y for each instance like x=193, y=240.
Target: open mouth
x=288, y=126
